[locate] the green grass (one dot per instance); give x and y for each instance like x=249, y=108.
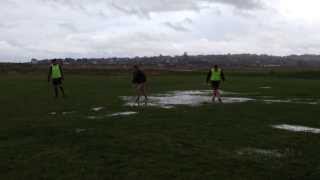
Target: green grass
x=180, y=143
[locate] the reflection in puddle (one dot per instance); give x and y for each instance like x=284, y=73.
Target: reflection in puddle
x=277, y=101
x=94, y=117
x=295, y=128
x=79, y=130
x=123, y=114
x=111, y=115
x=189, y=98
x=96, y=109
x=313, y=103
x=70, y=112
x=263, y=152
x=293, y=101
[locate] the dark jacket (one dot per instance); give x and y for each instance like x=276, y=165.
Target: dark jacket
x=139, y=77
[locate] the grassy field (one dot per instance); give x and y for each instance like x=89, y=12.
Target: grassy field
x=213, y=141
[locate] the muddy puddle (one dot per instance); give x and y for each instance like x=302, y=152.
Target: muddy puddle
x=96, y=109
x=122, y=114
x=62, y=113
x=292, y=101
x=296, y=128
x=68, y=112
x=111, y=115
x=94, y=117
x=260, y=152
x=79, y=130
x=188, y=98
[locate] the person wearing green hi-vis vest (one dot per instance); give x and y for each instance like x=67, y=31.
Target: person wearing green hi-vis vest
x=56, y=76
x=215, y=76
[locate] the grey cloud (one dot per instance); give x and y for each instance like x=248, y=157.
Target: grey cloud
x=176, y=27
x=7, y=3
x=102, y=14
x=131, y=11
x=70, y=3
x=68, y=26
x=243, y=4
x=94, y=28
x=188, y=20
x=7, y=25
x=179, y=26
x=143, y=8
x=133, y=44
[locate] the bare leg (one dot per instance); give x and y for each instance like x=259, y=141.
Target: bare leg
x=138, y=93
x=143, y=91
x=218, y=95
x=138, y=98
x=214, y=95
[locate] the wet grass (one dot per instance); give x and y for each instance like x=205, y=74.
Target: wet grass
x=180, y=143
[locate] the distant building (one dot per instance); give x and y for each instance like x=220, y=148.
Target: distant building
x=34, y=61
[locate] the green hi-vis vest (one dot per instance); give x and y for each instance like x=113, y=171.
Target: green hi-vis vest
x=56, y=72
x=215, y=75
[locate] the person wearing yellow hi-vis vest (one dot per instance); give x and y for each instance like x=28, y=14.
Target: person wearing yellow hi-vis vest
x=56, y=76
x=215, y=76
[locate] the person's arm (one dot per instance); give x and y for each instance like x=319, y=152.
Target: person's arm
x=49, y=74
x=134, y=77
x=222, y=76
x=62, y=74
x=208, y=76
x=144, y=76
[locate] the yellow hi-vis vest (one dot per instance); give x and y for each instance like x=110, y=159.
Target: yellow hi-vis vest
x=215, y=75
x=56, y=72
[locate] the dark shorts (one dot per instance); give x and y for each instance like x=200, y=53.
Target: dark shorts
x=215, y=84
x=57, y=82
x=139, y=82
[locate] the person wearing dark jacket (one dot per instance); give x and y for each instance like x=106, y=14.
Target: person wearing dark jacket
x=139, y=81
x=215, y=76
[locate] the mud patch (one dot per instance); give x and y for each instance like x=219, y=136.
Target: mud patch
x=122, y=114
x=296, y=128
x=188, y=98
x=260, y=152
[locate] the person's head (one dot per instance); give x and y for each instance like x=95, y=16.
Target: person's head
x=216, y=66
x=54, y=61
x=136, y=67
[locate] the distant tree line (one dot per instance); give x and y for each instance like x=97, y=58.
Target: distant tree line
x=200, y=61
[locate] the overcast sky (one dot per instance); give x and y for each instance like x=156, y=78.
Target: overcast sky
x=107, y=28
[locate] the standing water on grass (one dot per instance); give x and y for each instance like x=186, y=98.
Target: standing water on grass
x=96, y=109
x=123, y=114
x=188, y=98
x=295, y=128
